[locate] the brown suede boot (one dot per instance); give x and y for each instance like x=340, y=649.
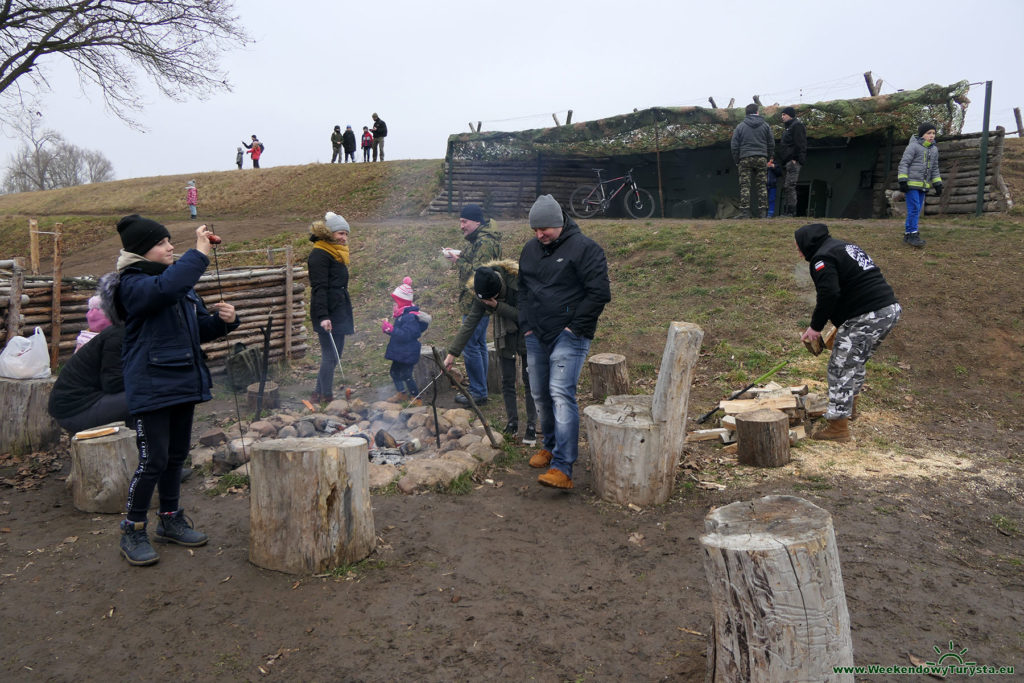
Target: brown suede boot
x=837, y=430
x=541, y=458
x=399, y=397
x=556, y=479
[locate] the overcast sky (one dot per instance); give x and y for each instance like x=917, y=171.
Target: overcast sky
x=429, y=68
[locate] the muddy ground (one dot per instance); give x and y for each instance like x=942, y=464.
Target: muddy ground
x=516, y=582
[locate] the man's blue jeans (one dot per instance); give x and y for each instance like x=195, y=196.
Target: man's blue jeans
x=475, y=356
x=554, y=372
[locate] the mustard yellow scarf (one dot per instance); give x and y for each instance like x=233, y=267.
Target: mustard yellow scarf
x=339, y=252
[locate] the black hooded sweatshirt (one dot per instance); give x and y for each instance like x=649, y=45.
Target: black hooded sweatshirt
x=847, y=281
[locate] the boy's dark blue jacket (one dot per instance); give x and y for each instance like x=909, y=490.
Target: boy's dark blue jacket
x=165, y=322
x=404, y=346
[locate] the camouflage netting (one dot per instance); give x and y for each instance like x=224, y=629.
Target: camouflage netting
x=671, y=128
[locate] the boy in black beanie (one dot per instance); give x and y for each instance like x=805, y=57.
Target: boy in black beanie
x=164, y=373
x=918, y=171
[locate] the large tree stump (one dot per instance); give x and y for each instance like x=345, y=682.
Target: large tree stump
x=101, y=470
x=609, y=375
x=636, y=441
x=26, y=426
x=762, y=438
x=779, y=607
x=309, y=509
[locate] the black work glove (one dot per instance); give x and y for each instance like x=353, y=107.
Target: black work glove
x=938, y=189
x=904, y=188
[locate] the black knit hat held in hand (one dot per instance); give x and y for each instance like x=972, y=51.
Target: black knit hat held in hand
x=486, y=283
x=139, y=235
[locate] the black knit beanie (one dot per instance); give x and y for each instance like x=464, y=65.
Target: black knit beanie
x=789, y=111
x=925, y=127
x=139, y=235
x=486, y=283
x=472, y=212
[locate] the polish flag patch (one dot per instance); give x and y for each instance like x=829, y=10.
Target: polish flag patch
x=819, y=265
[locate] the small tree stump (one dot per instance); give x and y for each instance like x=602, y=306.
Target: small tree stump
x=762, y=438
x=426, y=369
x=101, y=470
x=777, y=596
x=271, y=399
x=309, y=509
x=609, y=375
x=26, y=425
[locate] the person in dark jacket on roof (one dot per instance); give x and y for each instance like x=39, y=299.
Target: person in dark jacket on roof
x=853, y=294
x=165, y=375
x=792, y=156
x=752, y=146
x=563, y=288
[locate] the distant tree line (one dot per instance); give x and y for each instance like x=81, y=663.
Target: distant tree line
x=46, y=161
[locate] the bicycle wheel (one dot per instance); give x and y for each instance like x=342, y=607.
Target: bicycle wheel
x=638, y=203
x=585, y=201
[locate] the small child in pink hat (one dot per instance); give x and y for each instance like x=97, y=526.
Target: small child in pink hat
x=404, y=346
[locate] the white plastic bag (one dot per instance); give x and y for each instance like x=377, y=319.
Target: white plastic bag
x=26, y=358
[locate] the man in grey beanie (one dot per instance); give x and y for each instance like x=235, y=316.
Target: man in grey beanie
x=563, y=287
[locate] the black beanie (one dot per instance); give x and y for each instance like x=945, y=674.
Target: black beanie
x=486, y=283
x=139, y=235
x=472, y=212
x=789, y=111
x=925, y=127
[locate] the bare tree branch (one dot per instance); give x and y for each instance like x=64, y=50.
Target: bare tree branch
x=175, y=43
x=46, y=161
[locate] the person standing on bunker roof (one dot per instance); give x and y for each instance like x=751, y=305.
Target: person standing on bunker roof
x=792, y=156
x=752, y=146
x=853, y=294
x=918, y=171
x=336, y=140
x=563, y=287
x=380, y=131
x=348, y=141
x=165, y=375
x=484, y=246
x=255, y=148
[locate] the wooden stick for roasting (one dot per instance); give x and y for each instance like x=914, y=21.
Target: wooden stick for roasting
x=465, y=392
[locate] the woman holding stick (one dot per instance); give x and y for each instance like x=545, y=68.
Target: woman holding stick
x=329, y=307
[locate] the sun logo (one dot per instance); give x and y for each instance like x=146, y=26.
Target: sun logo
x=951, y=653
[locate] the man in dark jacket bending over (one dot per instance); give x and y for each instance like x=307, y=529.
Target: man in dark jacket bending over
x=563, y=287
x=852, y=293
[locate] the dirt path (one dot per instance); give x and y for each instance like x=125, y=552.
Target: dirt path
x=510, y=582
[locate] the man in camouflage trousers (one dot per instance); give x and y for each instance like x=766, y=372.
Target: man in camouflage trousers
x=793, y=153
x=853, y=294
x=753, y=144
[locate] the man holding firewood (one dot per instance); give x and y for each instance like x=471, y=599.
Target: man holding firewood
x=853, y=294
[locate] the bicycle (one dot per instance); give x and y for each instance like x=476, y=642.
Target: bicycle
x=587, y=200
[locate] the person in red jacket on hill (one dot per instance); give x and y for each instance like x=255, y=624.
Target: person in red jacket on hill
x=255, y=149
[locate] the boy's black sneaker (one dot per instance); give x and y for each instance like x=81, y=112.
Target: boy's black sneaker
x=511, y=429
x=175, y=527
x=913, y=239
x=135, y=545
x=463, y=401
x=530, y=435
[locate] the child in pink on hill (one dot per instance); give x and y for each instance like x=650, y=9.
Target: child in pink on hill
x=404, y=346
x=367, y=143
x=191, y=198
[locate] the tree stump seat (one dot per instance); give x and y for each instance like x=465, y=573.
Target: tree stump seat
x=101, y=470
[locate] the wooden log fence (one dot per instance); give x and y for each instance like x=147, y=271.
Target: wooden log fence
x=27, y=301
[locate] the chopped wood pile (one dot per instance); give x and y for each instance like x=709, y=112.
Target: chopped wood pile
x=801, y=405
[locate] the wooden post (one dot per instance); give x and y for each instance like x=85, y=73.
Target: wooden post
x=712, y=101
x=732, y=102
x=309, y=508
x=14, y=301
x=1020, y=125
x=26, y=425
x=757, y=100
x=101, y=471
x=874, y=87
x=289, y=301
x=568, y=117
x=55, y=315
x=777, y=596
x=555, y=117
x=33, y=245
x=609, y=375
x=479, y=125
x=635, y=441
x=762, y=438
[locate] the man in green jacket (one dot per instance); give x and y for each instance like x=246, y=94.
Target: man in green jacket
x=484, y=246
x=495, y=290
